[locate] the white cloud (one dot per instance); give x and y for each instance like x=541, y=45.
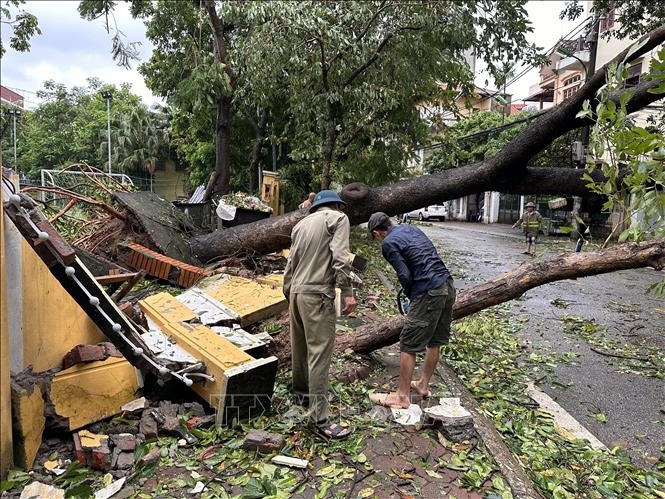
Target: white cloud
x=70, y=50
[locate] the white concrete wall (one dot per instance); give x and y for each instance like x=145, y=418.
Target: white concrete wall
x=491, y=207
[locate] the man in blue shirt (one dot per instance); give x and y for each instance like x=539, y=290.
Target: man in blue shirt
x=428, y=284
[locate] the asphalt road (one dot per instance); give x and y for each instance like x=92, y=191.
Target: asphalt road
x=633, y=404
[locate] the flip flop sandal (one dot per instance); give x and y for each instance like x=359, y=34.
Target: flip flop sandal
x=379, y=398
x=415, y=388
x=335, y=431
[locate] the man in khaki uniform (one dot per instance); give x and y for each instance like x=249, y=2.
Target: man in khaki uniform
x=530, y=222
x=318, y=263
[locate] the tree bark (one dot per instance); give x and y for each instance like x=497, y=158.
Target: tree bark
x=502, y=172
x=255, y=156
x=515, y=283
x=221, y=177
x=331, y=142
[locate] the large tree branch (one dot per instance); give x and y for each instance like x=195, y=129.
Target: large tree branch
x=515, y=283
x=507, y=166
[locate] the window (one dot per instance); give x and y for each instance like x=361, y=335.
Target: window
x=607, y=21
x=571, y=80
x=569, y=92
x=634, y=73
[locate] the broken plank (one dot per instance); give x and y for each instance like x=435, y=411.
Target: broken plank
x=119, y=295
x=511, y=469
x=86, y=393
x=242, y=386
x=251, y=300
x=115, y=278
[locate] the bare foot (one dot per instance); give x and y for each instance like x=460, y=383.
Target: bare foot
x=397, y=400
x=421, y=389
x=390, y=400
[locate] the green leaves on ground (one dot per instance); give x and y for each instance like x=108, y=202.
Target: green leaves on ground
x=489, y=359
x=636, y=357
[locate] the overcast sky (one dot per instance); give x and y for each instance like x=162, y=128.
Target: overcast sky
x=71, y=49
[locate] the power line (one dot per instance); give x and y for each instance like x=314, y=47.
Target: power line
x=573, y=32
x=489, y=130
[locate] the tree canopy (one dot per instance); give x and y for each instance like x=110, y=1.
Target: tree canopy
x=70, y=126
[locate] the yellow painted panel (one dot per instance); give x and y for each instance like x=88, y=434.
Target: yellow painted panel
x=218, y=354
x=6, y=460
x=273, y=280
x=28, y=424
x=53, y=323
x=251, y=300
x=89, y=392
x=170, y=309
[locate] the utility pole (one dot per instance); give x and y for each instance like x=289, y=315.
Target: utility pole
x=108, y=96
x=14, y=113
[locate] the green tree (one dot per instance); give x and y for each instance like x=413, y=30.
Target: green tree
x=140, y=140
x=70, y=125
x=353, y=72
x=633, y=18
x=631, y=157
x=23, y=25
x=484, y=134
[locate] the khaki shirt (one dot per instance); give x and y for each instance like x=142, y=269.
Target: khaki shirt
x=530, y=222
x=319, y=257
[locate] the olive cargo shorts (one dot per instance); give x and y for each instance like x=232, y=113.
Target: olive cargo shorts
x=428, y=320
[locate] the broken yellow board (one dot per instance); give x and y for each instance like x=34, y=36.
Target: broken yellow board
x=28, y=422
x=170, y=309
x=89, y=392
x=276, y=281
x=251, y=300
x=242, y=384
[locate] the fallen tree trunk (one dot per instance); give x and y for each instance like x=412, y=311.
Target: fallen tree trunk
x=515, y=283
x=505, y=288
x=508, y=167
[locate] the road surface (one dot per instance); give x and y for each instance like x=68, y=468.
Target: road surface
x=633, y=404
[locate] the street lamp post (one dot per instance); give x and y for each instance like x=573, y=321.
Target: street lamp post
x=108, y=96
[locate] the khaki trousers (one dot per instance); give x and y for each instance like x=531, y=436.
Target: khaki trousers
x=312, y=341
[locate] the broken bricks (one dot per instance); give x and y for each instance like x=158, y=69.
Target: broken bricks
x=262, y=441
x=89, y=353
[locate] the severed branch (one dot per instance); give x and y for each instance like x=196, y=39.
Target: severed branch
x=72, y=202
x=79, y=198
x=502, y=289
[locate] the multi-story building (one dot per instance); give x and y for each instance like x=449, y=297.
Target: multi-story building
x=563, y=75
x=10, y=97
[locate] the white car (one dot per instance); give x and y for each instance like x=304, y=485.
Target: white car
x=438, y=211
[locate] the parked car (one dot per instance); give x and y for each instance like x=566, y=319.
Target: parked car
x=437, y=211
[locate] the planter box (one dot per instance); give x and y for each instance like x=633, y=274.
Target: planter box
x=244, y=216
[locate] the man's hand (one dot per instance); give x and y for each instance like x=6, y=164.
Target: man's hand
x=349, y=305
